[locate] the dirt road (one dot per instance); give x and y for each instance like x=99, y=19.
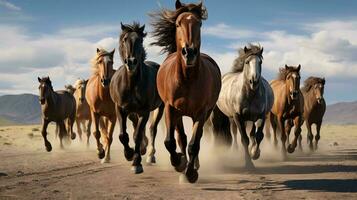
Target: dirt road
x=28, y=172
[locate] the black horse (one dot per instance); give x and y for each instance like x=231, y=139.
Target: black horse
x=133, y=90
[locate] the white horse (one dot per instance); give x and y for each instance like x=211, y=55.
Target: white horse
x=245, y=96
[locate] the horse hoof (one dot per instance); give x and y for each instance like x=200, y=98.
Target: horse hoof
x=105, y=160
x=129, y=154
x=137, y=169
x=73, y=136
x=151, y=160
x=291, y=149
x=101, y=153
x=191, y=175
x=181, y=164
x=143, y=151
x=249, y=165
x=48, y=147
x=256, y=154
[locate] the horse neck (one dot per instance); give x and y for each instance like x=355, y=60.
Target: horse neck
x=51, y=99
x=185, y=73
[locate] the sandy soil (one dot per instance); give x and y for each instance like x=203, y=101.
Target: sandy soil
x=27, y=171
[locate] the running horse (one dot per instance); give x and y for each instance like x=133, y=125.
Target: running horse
x=99, y=101
x=314, y=107
x=188, y=81
x=56, y=106
x=245, y=97
x=288, y=107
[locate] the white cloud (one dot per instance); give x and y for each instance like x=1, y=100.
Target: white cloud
x=9, y=5
x=227, y=32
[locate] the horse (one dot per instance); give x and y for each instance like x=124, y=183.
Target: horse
x=188, y=81
x=133, y=90
x=82, y=109
x=245, y=96
x=100, y=103
x=288, y=107
x=56, y=106
x=314, y=107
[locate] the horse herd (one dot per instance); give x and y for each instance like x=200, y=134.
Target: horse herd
x=188, y=83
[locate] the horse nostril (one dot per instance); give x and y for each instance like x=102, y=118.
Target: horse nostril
x=184, y=51
x=125, y=60
x=251, y=81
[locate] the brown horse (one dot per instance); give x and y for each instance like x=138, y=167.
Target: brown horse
x=56, y=106
x=314, y=107
x=188, y=81
x=83, y=112
x=99, y=100
x=288, y=105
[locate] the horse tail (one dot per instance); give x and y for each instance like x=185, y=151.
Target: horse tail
x=221, y=128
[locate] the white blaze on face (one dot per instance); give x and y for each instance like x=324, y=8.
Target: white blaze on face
x=106, y=60
x=254, y=66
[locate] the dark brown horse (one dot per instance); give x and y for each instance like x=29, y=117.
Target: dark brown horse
x=56, y=106
x=314, y=107
x=100, y=102
x=188, y=81
x=288, y=105
x=133, y=90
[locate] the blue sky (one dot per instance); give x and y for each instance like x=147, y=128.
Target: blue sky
x=58, y=38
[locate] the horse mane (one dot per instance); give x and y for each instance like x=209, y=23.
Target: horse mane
x=129, y=28
x=284, y=71
x=95, y=59
x=311, y=81
x=244, y=53
x=164, y=24
x=78, y=82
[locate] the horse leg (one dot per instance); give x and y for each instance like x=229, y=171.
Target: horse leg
x=62, y=132
x=317, y=136
x=288, y=126
x=139, y=133
x=234, y=128
x=259, y=135
x=44, y=135
x=182, y=138
x=245, y=140
x=153, y=131
x=297, y=132
x=281, y=124
x=252, y=138
x=89, y=126
x=97, y=134
x=194, y=148
x=71, y=120
x=123, y=135
x=310, y=137
x=79, y=129
x=109, y=140
x=274, y=125
x=178, y=160
x=267, y=126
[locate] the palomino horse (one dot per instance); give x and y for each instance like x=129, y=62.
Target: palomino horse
x=99, y=100
x=246, y=96
x=83, y=112
x=56, y=106
x=288, y=106
x=314, y=107
x=188, y=81
x=133, y=90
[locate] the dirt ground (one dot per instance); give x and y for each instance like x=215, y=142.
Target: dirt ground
x=27, y=171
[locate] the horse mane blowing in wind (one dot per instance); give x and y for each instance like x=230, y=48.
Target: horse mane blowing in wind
x=181, y=78
x=245, y=96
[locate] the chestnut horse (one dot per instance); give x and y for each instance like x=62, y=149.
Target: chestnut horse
x=56, y=106
x=188, y=81
x=314, y=107
x=83, y=112
x=288, y=106
x=133, y=90
x=100, y=102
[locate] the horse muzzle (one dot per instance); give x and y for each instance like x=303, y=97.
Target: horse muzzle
x=319, y=100
x=131, y=64
x=294, y=94
x=190, y=55
x=42, y=101
x=254, y=83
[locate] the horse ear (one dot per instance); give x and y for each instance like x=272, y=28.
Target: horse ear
x=39, y=79
x=245, y=49
x=112, y=53
x=98, y=50
x=178, y=4
x=323, y=81
x=200, y=4
x=286, y=66
x=142, y=28
x=261, y=51
x=123, y=27
x=299, y=67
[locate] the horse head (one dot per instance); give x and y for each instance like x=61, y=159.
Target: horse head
x=292, y=80
x=45, y=89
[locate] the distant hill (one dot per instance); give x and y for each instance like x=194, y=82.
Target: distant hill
x=20, y=109
x=341, y=113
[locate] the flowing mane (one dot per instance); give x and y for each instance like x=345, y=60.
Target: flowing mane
x=95, y=59
x=130, y=28
x=311, y=81
x=164, y=24
x=244, y=53
x=284, y=71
